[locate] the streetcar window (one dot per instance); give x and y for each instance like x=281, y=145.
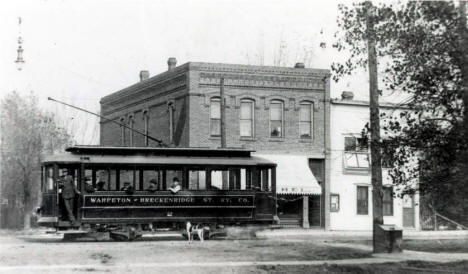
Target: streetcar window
x=88, y=175
x=170, y=174
x=243, y=178
x=102, y=180
x=217, y=179
x=127, y=176
x=232, y=179
x=112, y=180
x=152, y=175
x=265, y=179
x=197, y=179
x=50, y=179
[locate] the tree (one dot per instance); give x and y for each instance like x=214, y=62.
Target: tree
x=425, y=46
x=27, y=134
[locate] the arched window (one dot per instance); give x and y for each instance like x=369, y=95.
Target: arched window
x=247, y=118
x=146, y=124
x=215, y=117
x=130, y=125
x=276, y=119
x=306, y=119
x=122, y=131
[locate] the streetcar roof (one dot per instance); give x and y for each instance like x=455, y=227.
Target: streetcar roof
x=69, y=158
x=147, y=151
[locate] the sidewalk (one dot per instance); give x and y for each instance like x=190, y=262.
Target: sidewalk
x=361, y=235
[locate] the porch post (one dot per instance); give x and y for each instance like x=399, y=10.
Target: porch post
x=305, y=211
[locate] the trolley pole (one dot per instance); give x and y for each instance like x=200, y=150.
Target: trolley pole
x=376, y=162
x=223, y=113
x=160, y=142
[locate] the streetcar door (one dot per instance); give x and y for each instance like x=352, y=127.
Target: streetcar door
x=49, y=192
x=73, y=171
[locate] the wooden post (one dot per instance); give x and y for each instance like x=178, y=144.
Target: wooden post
x=305, y=211
x=208, y=179
x=376, y=164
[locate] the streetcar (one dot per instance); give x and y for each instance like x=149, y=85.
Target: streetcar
x=124, y=191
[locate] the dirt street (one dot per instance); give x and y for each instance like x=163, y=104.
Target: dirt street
x=48, y=255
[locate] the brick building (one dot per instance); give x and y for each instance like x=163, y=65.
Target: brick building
x=282, y=113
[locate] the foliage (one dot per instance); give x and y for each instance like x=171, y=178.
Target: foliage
x=420, y=56
x=27, y=133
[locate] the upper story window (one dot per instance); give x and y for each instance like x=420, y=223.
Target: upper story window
x=353, y=143
x=387, y=161
x=130, y=125
x=122, y=131
x=215, y=117
x=247, y=118
x=305, y=120
x=146, y=125
x=276, y=119
x=356, y=155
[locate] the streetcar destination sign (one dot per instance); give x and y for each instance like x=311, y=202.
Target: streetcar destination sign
x=168, y=201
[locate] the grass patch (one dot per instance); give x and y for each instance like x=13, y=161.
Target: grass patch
x=437, y=246
x=386, y=268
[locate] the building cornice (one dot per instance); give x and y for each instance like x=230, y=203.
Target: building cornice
x=258, y=70
x=366, y=103
x=235, y=74
x=261, y=81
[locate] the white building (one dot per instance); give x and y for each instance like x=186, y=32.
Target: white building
x=350, y=177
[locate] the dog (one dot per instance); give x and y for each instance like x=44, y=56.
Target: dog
x=197, y=229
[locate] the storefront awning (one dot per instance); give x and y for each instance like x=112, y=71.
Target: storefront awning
x=293, y=175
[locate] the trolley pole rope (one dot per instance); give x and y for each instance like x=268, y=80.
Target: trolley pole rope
x=160, y=142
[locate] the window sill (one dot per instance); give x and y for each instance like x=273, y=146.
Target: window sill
x=358, y=171
x=305, y=140
x=276, y=139
x=247, y=138
x=214, y=138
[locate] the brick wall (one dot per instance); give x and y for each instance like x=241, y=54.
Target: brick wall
x=190, y=88
x=199, y=120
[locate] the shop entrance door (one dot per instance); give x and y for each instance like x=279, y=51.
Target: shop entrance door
x=408, y=211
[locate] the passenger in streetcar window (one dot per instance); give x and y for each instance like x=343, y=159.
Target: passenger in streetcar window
x=127, y=188
x=101, y=186
x=175, y=187
x=153, y=185
x=68, y=194
x=88, y=185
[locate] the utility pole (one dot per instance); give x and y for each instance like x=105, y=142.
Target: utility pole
x=376, y=162
x=223, y=113
x=222, y=104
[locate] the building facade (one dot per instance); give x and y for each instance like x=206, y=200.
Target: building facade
x=281, y=113
x=350, y=187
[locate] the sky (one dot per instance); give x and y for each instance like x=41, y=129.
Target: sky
x=78, y=51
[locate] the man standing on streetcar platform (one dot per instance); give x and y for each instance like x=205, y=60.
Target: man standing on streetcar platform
x=68, y=194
